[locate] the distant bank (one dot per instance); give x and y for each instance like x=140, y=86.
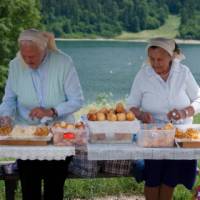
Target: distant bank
x=179, y=41
x=169, y=30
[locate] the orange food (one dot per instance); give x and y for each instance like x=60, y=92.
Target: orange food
x=190, y=133
x=101, y=116
x=5, y=130
x=120, y=108
x=130, y=116
x=41, y=131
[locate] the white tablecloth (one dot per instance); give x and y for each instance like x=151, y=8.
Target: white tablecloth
x=133, y=152
x=49, y=152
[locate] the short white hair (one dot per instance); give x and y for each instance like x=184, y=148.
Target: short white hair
x=33, y=36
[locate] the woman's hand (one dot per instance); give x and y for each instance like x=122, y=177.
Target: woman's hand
x=5, y=121
x=146, y=117
x=39, y=113
x=176, y=114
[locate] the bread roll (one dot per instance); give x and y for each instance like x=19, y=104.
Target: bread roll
x=120, y=108
x=103, y=110
x=121, y=116
x=130, y=116
x=111, y=117
x=101, y=116
x=92, y=116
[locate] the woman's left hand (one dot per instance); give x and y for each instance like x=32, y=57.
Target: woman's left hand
x=39, y=113
x=176, y=114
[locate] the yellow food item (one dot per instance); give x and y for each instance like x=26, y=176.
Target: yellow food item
x=168, y=126
x=130, y=116
x=101, y=116
x=121, y=116
x=70, y=126
x=5, y=130
x=41, y=131
x=103, y=110
x=120, y=108
x=111, y=117
x=190, y=133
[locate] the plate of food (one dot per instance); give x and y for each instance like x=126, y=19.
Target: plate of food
x=27, y=135
x=188, y=136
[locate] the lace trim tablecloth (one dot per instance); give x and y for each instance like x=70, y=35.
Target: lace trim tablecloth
x=133, y=152
x=36, y=152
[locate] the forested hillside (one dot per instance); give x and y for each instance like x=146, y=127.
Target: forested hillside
x=100, y=17
x=15, y=15
x=108, y=18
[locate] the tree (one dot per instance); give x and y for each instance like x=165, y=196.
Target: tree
x=15, y=16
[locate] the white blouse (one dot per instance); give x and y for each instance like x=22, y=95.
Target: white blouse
x=152, y=94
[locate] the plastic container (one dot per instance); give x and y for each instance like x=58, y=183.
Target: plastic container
x=69, y=137
x=112, y=132
x=155, y=136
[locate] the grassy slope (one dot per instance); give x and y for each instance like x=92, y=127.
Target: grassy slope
x=169, y=29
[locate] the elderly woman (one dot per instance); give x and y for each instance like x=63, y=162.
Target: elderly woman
x=165, y=90
x=42, y=85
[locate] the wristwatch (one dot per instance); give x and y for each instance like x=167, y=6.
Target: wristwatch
x=55, y=114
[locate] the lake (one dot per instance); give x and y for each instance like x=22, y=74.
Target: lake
x=107, y=68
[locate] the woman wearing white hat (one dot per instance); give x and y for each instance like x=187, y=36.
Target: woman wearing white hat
x=42, y=85
x=165, y=90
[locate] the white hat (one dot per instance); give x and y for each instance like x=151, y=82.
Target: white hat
x=35, y=36
x=43, y=39
x=165, y=43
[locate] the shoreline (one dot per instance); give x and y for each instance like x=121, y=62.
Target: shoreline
x=179, y=41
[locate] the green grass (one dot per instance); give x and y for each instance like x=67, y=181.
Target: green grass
x=102, y=187
x=169, y=29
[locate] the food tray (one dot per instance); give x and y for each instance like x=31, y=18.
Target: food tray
x=69, y=137
x=152, y=135
x=26, y=139
x=188, y=142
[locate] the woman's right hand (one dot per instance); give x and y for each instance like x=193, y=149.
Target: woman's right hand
x=5, y=121
x=146, y=117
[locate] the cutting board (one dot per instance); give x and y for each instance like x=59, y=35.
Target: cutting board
x=189, y=144
x=24, y=142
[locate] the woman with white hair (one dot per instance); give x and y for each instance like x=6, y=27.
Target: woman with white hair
x=165, y=90
x=42, y=85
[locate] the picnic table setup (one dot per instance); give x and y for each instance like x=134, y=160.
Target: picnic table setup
x=105, y=134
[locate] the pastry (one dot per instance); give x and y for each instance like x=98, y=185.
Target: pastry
x=92, y=117
x=130, y=116
x=41, y=131
x=101, y=116
x=121, y=116
x=120, y=108
x=111, y=117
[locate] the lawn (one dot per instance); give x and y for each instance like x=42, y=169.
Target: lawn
x=91, y=188
x=169, y=29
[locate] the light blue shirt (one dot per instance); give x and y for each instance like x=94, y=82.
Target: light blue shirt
x=152, y=94
x=43, y=81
